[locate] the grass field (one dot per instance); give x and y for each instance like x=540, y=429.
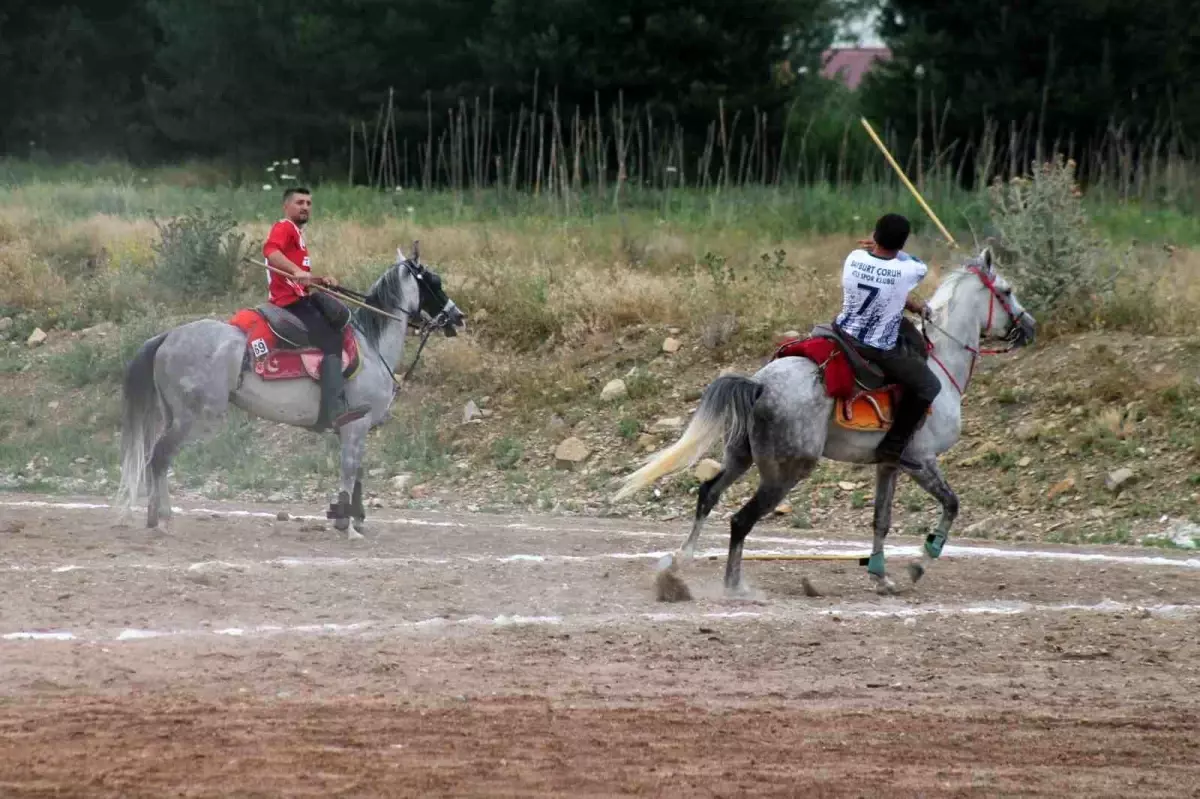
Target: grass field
x=563, y=294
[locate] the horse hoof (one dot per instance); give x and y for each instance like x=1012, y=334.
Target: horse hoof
x=360, y=525
x=739, y=593
x=341, y=525
x=809, y=589
x=669, y=587
x=885, y=587
x=354, y=535
x=915, y=572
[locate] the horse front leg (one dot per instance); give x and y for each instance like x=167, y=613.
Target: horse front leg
x=358, y=512
x=931, y=479
x=349, y=503
x=885, y=491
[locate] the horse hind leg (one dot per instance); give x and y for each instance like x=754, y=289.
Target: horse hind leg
x=777, y=481
x=931, y=479
x=737, y=463
x=670, y=587
x=158, y=503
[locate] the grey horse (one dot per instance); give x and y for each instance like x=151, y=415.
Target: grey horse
x=182, y=382
x=781, y=419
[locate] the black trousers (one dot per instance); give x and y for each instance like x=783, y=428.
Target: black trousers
x=905, y=366
x=325, y=319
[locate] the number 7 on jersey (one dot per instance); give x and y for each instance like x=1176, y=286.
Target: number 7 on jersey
x=872, y=293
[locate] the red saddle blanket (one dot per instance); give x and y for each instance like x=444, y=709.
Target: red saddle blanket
x=857, y=408
x=271, y=362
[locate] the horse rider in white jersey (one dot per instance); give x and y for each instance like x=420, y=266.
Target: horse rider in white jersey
x=876, y=281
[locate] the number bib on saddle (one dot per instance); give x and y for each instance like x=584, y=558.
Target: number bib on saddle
x=874, y=291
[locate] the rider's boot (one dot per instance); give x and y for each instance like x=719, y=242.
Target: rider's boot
x=909, y=412
x=334, y=411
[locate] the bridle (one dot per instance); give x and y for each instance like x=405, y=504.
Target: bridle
x=428, y=324
x=995, y=297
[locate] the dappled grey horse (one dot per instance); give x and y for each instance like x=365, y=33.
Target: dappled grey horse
x=182, y=382
x=781, y=419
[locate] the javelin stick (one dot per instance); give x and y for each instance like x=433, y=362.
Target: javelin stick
x=907, y=182
x=332, y=292
x=803, y=556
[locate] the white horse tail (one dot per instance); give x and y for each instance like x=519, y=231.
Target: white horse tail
x=725, y=407
x=141, y=415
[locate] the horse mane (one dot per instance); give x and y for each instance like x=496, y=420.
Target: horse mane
x=387, y=293
x=946, y=289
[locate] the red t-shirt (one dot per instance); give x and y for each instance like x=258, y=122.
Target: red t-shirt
x=285, y=237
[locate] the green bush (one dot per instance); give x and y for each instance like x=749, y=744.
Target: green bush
x=1062, y=269
x=199, y=252
x=507, y=452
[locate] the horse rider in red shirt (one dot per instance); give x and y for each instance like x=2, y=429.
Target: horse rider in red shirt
x=323, y=316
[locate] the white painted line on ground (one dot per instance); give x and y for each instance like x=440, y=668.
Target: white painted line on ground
x=806, y=546
x=788, y=613
x=950, y=553
x=369, y=562
x=412, y=522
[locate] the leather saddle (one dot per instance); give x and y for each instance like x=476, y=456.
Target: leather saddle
x=292, y=334
x=869, y=376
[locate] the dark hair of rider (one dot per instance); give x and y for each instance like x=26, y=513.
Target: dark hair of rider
x=891, y=231
x=287, y=194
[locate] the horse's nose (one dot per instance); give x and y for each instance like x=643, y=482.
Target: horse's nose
x=1027, y=328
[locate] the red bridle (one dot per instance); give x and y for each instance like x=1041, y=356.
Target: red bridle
x=994, y=297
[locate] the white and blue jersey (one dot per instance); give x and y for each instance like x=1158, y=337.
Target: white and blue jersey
x=874, y=292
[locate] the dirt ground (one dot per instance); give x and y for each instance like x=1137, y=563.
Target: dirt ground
x=473, y=655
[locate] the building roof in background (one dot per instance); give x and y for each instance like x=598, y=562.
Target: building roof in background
x=851, y=63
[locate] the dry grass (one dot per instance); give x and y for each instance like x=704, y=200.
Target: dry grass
x=538, y=285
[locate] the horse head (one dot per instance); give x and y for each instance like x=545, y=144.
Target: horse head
x=432, y=305
x=1007, y=319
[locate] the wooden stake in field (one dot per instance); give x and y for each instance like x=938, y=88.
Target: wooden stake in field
x=883, y=148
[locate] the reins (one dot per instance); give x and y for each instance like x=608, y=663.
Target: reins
x=976, y=352
x=357, y=298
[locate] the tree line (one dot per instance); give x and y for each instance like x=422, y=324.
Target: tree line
x=247, y=81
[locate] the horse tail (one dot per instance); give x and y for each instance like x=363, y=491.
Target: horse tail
x=141, y=414
x=725, y=407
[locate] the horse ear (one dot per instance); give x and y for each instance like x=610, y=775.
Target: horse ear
x=985, y=257
x=399, y=255
x=416, y=256
x=989, y=260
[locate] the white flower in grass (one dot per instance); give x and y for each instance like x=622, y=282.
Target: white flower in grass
x=287, y=177
x=295, y=160
x=270, y=169
x=266, y=187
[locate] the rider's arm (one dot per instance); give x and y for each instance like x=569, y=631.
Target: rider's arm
x=278, y=260
x=917, y=306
